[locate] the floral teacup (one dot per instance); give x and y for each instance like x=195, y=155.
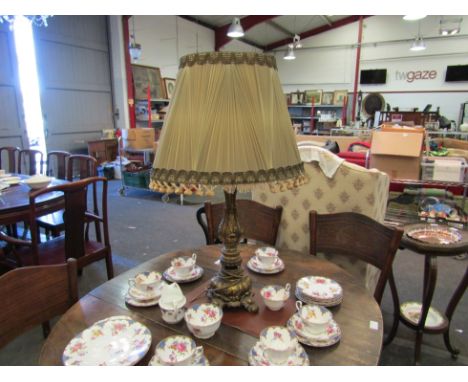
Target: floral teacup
x=173, y=311
x=266, y=256
x=275, y=296
x=178, y=351
x=183, y=266
x=314, y=317
x=279, y=343
x=203, y=320
x=146, y=282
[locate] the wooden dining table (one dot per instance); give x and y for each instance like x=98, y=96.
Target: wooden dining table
x=14, y=201
x=358, y=316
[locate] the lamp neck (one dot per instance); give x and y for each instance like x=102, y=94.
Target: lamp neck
x=229, y=230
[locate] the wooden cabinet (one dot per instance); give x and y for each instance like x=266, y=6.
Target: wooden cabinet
x=104, y=150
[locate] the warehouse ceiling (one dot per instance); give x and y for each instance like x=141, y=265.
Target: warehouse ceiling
x=271, y=32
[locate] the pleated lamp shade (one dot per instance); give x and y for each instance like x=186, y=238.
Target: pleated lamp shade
x=227, y=125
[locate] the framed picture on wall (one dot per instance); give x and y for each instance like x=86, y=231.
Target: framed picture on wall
x=169, y=85
x=294, y=99
x=327, y=98
x=339, y=97
x=144, y=76
x=313, y=96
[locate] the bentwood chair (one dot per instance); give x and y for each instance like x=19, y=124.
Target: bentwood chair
x=75, y=243
x=11, y=156
x=360, y=237
x=257, y=221
x=78, y=167
x=34, y=295
x=57, y=164
x=30, y=162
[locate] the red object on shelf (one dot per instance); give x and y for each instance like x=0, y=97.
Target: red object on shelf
x=359, y=158
x=148, y=94
x=312, y=120
x=128, y=69
x=343, y=112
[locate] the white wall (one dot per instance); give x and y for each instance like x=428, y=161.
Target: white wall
x=330, y=63
x=119, y=81
x=164, y=39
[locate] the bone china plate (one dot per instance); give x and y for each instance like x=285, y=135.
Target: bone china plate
x=114, y=341
x=435, y=235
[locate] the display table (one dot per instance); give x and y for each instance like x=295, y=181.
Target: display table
x=437, y=323
x=359, y=315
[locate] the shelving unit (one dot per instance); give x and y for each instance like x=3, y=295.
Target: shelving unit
x=142, y=116
x=316, y=119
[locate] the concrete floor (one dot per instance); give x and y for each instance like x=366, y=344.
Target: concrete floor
x=141, y=227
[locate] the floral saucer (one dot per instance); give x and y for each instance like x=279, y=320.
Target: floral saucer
x=257, y=357
x=137, y=294
x=331, y=336
x=141, y=303
x=411, y=310
x=203, y=361
x=114, y=341
x=255, y=265
x=325, y=303
x=171, y=275
x=319, y=288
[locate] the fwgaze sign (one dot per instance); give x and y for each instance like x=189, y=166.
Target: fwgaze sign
x=416, y=75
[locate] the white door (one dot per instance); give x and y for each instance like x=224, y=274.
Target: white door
x=75, y=80
x=12, y=127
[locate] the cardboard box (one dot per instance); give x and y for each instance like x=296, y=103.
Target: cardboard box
x=397, y=154
x=138, y=138
x=402, y=129
x=446, y=169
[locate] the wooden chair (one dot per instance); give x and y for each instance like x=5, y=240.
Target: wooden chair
x=358, y=236
x=75, y=243
x=78, y=167
x=81, y=167
x=33, y=295
x=257, y=221
x=11, y=154
x=57, y=164
x=30, y=162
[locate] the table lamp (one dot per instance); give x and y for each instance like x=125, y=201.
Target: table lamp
x=227, y=126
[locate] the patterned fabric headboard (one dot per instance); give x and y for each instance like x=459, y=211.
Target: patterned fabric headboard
x=352, y=188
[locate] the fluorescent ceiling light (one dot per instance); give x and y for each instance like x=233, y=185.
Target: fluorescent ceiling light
x=289, y=55
x=413, y=17
x=418, y=44
x=235, y=29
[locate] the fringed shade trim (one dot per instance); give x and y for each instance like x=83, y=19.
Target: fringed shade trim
x=208, y=189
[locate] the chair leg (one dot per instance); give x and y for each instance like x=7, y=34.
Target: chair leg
x=393, y=331
x=46, y=328
x=109, y=266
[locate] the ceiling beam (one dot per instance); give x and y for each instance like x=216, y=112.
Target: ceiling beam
x=315, y=31
x=326, y=19
x=247, y=23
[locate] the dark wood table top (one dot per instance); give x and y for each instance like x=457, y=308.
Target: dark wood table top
x=434, y=249
x=14, y=201
x=359, y=345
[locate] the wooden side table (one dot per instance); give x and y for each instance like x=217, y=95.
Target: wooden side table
x=104, y=150
x=417, y=320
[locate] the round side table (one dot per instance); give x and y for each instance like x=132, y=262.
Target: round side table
x=421, y=317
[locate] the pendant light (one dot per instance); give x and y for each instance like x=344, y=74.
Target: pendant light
x=134, y=47
x=289, y=55
x=235, y=29
x=413, y=17
x=418, y=43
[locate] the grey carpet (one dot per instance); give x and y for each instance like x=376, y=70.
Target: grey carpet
x=142, y=226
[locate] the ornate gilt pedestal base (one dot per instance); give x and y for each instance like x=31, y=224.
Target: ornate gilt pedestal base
x=231, y=287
